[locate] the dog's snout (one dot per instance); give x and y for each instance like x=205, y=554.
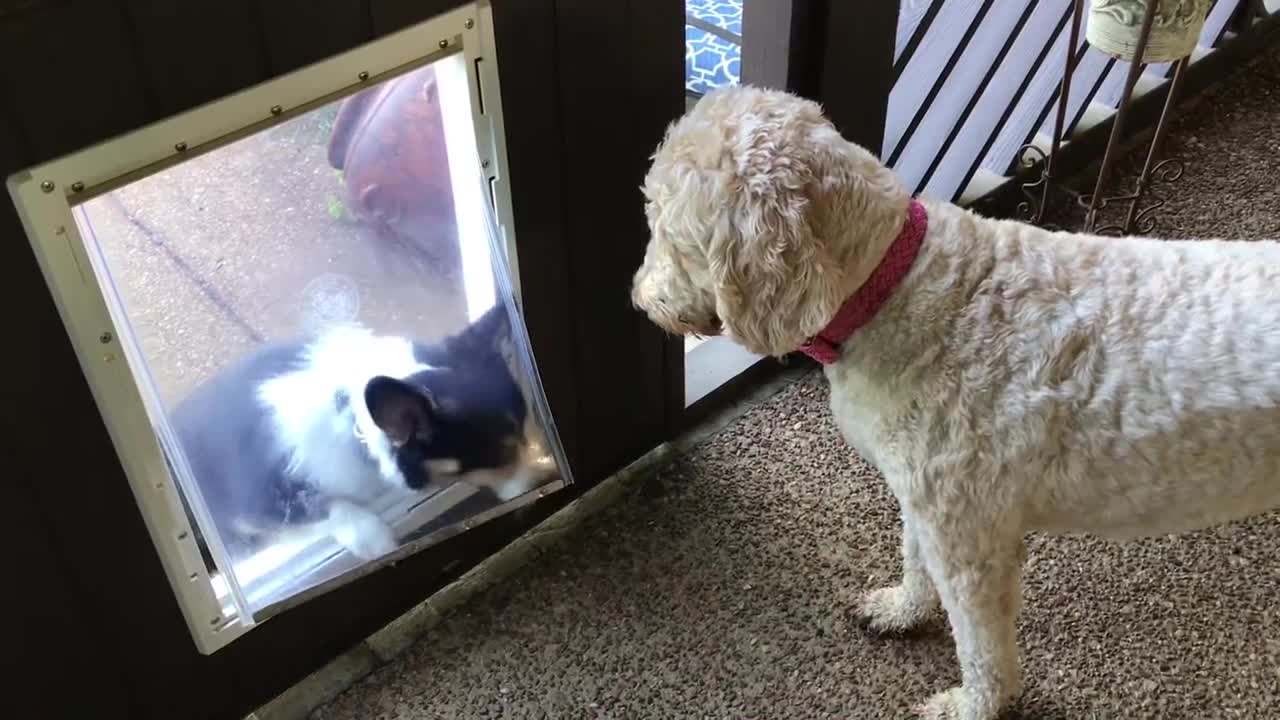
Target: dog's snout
x=707, y=326
x=636, y=296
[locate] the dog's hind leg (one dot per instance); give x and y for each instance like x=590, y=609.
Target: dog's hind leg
x=978, y=576
x=906, y=605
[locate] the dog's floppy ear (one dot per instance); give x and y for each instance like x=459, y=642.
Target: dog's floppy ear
x=401, y=410
x=774, y=279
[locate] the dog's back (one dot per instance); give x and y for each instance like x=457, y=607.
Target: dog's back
x=1171, y=359
x=1131, y=386
x=235, y=453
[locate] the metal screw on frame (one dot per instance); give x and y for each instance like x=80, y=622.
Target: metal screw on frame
x=180, y=146
x=276, y=109
x=77, y=187
x=47, y=186
x=443, y=44
x=105, y=338
x=363, y=75
x=469, y=24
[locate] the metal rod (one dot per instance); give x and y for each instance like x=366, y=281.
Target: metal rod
x=1063, y=95
x=1117, y=128
x=1162, y=129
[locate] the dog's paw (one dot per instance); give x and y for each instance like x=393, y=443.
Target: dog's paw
x=362, y=533
x=372, y=545
x=955, y=704
x=893, y=610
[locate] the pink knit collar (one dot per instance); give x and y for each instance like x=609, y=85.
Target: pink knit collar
x=866, y=300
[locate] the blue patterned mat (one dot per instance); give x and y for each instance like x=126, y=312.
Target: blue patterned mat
x=712, y=59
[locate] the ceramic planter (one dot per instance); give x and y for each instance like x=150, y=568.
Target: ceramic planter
x=1115, y=25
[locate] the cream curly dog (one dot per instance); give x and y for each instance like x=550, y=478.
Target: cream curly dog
x=1003, y=378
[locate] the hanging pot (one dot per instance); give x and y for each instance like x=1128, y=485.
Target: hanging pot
x=1115, y=25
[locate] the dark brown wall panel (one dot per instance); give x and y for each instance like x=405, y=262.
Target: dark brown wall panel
x=657, y=67
x=196, y=52
x=531, y=113
x=13, y=141
x=56, y=664
x=391, y=15
x=73, y=77
x=857, y=67
x=615, y=107
x=299, y=32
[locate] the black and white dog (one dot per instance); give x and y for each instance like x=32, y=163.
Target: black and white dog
x=306, y=435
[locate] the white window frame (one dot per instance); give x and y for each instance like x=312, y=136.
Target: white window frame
x=47, y=196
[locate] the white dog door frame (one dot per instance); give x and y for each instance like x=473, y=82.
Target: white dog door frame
x=47, y=196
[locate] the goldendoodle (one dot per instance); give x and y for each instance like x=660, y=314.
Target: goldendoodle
x=1002, y=377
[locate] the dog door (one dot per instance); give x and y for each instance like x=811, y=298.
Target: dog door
x=297, y=311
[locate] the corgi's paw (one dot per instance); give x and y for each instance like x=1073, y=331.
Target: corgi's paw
x=361, y=531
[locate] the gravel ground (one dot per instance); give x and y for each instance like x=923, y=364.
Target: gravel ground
x=252, y=242
x=724, y=588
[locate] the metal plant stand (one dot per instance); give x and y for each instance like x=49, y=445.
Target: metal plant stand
x=1138, y=216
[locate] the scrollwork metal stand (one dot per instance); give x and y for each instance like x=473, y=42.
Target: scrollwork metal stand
x=1138, y=216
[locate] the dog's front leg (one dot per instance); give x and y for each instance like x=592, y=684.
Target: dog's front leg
x=977, y=571
x=359, y=530
x=904, y=606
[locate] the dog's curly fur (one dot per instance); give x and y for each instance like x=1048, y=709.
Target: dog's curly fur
x=1017, y=380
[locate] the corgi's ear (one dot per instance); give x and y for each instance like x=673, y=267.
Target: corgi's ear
x=489, y=334
x=401, y=410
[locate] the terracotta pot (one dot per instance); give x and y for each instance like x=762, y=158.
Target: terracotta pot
x=389, y=143
x=1114, y=27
